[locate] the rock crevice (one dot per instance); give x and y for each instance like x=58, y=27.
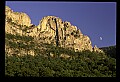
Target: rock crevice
x=51, y=30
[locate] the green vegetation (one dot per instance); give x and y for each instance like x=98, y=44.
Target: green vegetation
x=80, y=64
x=22, y=41
x=18, y=37
x=110, y=51
x=85, y=65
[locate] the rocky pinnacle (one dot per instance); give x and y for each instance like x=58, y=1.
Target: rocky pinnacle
x=51, y=30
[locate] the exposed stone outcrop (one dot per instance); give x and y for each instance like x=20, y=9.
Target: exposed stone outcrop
x=69, y=36
x=17, y=17
x=51, y=30
x=96, y=49
x=64, y=56
x=19, y=52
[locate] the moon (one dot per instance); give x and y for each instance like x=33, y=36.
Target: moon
x=100, y=38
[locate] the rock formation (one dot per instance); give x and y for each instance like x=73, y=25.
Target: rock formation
x=51, y=30
x=96, y=49
x=68, y=35
x=17, y=17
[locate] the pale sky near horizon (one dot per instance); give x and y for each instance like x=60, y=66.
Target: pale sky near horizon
x=95, y=19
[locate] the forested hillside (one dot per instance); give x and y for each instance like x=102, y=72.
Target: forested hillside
x=54, y=48
x=110, y=51
x=79, y=64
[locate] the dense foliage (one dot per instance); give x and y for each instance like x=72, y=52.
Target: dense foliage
x=84, y=64
x=80, y=64
x=110, y=51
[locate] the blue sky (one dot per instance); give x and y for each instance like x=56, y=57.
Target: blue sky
x=94, y=19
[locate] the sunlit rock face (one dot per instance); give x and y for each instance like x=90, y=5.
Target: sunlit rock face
x=51, y=30
x=96, y=49
x=17, y=17
x=68, y=35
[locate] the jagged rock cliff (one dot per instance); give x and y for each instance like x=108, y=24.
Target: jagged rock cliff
x=51, y=30
x=68, y=35
x=17, y=17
